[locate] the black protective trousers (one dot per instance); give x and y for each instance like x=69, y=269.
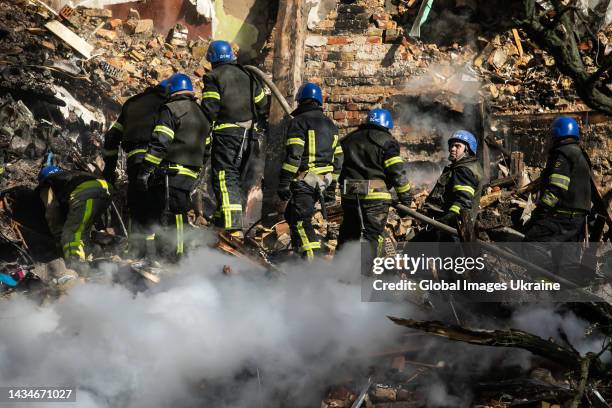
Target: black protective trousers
x=374, y=213
x=299, y=212
x=234, y=159
x=172, y=216
x=549, y=239
x=142, y=216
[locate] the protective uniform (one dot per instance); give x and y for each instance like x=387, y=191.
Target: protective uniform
x=132, y=131
x=72, y=201
x=564, y=201
x=371, y=155
x=236, y=103
x=313, y=161
x=179, y=147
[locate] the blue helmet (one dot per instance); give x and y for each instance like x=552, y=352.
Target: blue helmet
x=179, y=82
x=47, y=171
x=564, y=126
x=220, y=51
x=380, y=117
x=467, y=138
x=309, y=91
x=164, y=83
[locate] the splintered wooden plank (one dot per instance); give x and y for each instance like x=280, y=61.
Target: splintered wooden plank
x=69, y=37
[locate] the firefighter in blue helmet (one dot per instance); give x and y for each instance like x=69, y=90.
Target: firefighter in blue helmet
x=563, y=203
x=459, y=187
x=311, y=167
x=372, y=167
x=72, y=200
x=132, y=132
x=235, y=101
x=179, y=148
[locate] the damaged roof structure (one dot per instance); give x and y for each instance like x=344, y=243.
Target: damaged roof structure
x=242, y=323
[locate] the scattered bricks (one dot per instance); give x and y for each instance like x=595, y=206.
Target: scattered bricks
x=153, y=44
x=392, y=35
x=375, y=32
x=162, y=72
x=155, y=62
x=137, y=56
x=139, y=27
x=133, y=15
x=114, y=23
x=66, y=12
x=383, y=393
x=178, y=35
x=338, y=40
x=169, y=54
x=198, y=52
x=109, y=35
x=199, y=72
x=374, y=40
x=95, y=12
x=111, y=70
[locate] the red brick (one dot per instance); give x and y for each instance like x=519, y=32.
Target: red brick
x=352, y=107
x=337, y=40
x=339, y=115
x=374, y=40
x=168, y=54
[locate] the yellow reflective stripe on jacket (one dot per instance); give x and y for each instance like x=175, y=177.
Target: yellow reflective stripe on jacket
x=312, y=147
x=211, y=95
x=550, y=199
x=403, y=189
x=179, y=233
x=259, y=97
x=1, y=169
x=165, y=130
x=338, y=150
x=467, y=189
x=109, y=153
x=560, y=181
x=152, y=159
x=207, y=140
x=393, y=160
x=89, y=184
x=381, y=195
x=184, y=170
x=321, y=170
x=306, y=244
x=136, y=151
x=289, y=168
x=117, y=126
x=455, y=208
x=335, y=142
x=225, y=125
x=295, y=141
x=335, y=176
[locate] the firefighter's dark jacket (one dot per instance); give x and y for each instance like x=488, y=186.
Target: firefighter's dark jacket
x=372, y=153
x=65, y=182
x=181, y=135
x=232, y=95
x=566, y=180
x=459, y=187
x=132, y=131
x=312, y=143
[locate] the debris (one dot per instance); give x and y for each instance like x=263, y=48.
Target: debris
x=68, y=36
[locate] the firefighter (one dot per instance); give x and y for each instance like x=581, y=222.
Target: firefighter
x=179, y=147
x=459, y=187
x=372, y=166
x=563, y=204
x=72, y=201
x=236, y=103
x=132, y=131
x=312, y=165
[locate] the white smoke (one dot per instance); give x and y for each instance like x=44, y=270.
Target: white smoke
x=199, y=334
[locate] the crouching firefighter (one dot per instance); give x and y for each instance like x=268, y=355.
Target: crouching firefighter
x=564, y=202
x=72, y=200
x=372, y=166
x=132, y=132
x=312, y=166
x=459, y=187
x=236, y=102
x=178, y=149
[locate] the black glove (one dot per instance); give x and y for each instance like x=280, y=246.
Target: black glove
x=330, y=192
x=449, y=218
x=109, y=171
x=405, y=198
x=142, y=180
x=540, y=211
x=284, y=189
